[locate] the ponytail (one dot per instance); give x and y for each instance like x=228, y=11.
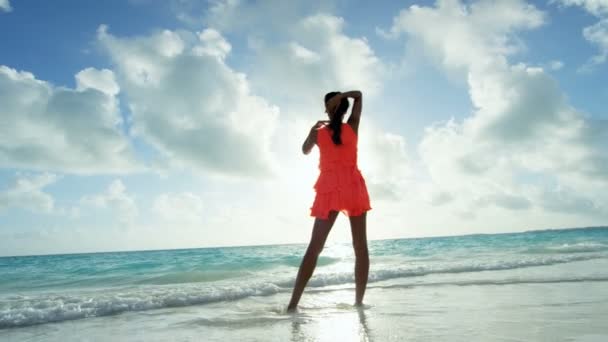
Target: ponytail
x=336, y=120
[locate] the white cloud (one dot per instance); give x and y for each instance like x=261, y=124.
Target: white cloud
x=595, y=7
x=116, y=199
x=521, y=123
x=55, y=128
x=296, y=60
x=180, y=207
x=303, y=54
x=297, y=57
x=27, y=193
x=384, y=160
x=213, y=44
x=303, y=41
x=440, y=198
x=5, y=6
x=102, y=80
x=459, y=42
x=253, y=17
x=298, y=64
x=190, y=105
x=318, y=57
x=596, y=34
x=508, y=201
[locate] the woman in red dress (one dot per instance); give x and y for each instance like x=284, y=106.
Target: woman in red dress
x=339, y=188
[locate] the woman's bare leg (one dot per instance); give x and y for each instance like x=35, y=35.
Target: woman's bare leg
x=358, y=229
x=320, y=231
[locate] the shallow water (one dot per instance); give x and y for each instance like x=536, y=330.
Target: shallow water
x=549, y=285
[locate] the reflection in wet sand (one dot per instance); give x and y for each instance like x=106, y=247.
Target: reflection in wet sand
x=350, y=325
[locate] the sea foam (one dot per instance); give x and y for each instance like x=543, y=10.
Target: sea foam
x=30, y=309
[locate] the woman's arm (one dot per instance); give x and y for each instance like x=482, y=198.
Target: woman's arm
x=355, y=115
x=311, y=139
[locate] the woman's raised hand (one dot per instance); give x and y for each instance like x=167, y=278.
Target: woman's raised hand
x=311, y=139
x=319, y=124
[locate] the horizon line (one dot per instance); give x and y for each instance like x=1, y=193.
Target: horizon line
x=301, y=243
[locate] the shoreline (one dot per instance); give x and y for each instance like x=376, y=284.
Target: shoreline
x=509, y=312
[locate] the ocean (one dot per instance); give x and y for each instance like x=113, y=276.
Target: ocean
x=549, y=285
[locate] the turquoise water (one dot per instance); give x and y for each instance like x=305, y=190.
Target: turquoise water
x=42, y=289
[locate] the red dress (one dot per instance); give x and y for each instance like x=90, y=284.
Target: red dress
x=340, y=186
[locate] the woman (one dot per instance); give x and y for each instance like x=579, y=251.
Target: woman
x=339, y=188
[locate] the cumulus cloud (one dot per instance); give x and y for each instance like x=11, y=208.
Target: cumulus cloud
x=180, y=207
x=102, y=80
x=459, y=42
x=303, y=41
x=508, y=201
x=597, y=33
x=438, y=198
x=521, y=123
x=385, y=162
x=189, y=104
x=55, y=128
x=252, y=17
x=318, y=57
x=213, y=44
x=27, y=192
x=297, y=57
x=595, y=7
x=312, y=48
x=116, y=199
x=5, y=6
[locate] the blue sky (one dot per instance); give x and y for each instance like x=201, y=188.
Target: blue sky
x=144, y=125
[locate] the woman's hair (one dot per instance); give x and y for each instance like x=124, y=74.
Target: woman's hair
x=336, y=119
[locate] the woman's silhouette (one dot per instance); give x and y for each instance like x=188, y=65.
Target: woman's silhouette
x=339, y=188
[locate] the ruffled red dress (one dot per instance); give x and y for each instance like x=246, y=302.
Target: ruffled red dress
x=340, y=185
